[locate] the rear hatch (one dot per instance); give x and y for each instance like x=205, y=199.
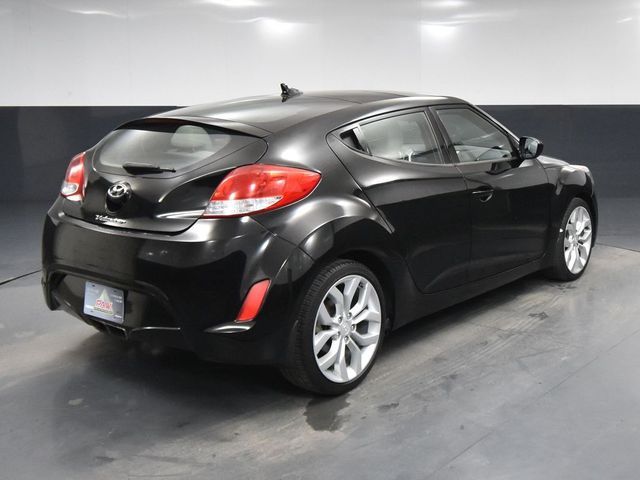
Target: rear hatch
x=166, y=169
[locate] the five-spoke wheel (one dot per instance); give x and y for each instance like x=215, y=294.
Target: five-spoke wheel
x=573, y=244
x=577, y=239
x=340, y=327
x=347, y=328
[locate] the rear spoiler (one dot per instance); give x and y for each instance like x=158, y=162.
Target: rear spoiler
x=233, y=127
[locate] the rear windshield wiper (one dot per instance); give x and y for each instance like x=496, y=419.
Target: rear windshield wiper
x=132, y=167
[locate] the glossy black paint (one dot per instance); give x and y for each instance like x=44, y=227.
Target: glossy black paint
x=509, y=209
x=509, y=214
x=431, y=230
x=429, y=237
x=198, y=278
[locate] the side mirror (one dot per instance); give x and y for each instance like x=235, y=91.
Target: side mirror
x=530, y=147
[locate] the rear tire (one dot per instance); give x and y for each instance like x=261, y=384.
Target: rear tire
x=572, y=249
x=339, y=329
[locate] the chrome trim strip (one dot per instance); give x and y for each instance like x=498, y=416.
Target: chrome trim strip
x=195, y=214
x=170, y=329
x=231, y=327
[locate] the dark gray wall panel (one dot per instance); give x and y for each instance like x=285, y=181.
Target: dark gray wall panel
x=36, y=143
x=603, y=137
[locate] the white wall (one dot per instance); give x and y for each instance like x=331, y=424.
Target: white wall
x=161, y=52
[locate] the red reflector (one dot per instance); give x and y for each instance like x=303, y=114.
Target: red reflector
x=73, y=185
x=253, y=301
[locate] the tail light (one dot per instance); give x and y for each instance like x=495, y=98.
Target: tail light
x=73, y=185
x=259, y=188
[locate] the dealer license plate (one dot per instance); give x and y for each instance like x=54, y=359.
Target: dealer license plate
x=104, y=302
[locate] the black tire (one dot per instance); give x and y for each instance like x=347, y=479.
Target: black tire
x=302, y=369
x=559, y=269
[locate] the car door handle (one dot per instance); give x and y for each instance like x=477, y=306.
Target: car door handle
x=483, y=194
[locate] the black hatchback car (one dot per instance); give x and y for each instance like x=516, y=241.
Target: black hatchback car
x=297, y=230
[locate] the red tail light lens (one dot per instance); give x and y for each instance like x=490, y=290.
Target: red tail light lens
x=253, y=301
x=73, y=185
x=259, y=188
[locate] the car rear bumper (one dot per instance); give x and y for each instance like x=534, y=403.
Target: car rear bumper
x=181, y=290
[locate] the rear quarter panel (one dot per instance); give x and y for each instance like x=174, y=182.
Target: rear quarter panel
x=336, y=220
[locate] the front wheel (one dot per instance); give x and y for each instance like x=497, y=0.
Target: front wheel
x=339, y=329
x=573, y=245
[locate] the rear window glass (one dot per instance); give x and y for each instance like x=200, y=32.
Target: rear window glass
x=168, y=145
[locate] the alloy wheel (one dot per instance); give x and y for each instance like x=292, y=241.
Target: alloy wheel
x=577, y=240
x=347, y=329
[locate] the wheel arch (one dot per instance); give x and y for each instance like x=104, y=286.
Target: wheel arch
x=366, y=241
x=570, y=181
x=576, y=181
x=590, y=200
x=374, y=263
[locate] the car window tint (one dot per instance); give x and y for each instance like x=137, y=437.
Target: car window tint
x=168, y=145
x=474, y=138
x=404, y=137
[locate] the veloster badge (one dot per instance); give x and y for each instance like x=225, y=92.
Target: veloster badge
x=108, y=219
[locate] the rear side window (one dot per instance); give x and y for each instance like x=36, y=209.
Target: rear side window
x=475, y=138
x=350, y=139
x=406, y=137
x=168, y=145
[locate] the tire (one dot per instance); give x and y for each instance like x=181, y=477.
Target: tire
x=569, y=237
x=334, y=366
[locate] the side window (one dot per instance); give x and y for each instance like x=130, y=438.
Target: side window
x=404, y=137
x=350, y=139
x=474, y=138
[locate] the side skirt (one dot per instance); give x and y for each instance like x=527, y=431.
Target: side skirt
x=422, y=304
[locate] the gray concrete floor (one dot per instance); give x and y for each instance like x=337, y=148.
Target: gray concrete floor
x=536, y=380
x=20, y=234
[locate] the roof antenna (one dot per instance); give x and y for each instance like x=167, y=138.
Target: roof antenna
x=287, y=93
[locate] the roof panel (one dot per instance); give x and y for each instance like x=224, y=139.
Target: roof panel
x=270, y=113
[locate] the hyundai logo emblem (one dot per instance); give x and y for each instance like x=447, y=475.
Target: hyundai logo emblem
x=118, y=190
x=117, y=195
